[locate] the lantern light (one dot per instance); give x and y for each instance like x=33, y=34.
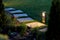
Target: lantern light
x=43, y=16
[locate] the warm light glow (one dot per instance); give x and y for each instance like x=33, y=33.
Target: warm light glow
x=43, y=13
x=43, y=16
x=35, y=24
x=6, y=4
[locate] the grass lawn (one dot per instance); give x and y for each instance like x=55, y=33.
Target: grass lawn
x=33, y=8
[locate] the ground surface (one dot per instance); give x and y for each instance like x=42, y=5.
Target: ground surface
x=35, y=24
x=33, y=8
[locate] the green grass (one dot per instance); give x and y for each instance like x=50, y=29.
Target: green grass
x=33, y=8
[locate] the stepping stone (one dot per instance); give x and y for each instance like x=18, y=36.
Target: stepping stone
x=16, y=11
x=25, y=19
x=20, y=15
x=35, y=24
x=7, y=9
x=43, y=30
